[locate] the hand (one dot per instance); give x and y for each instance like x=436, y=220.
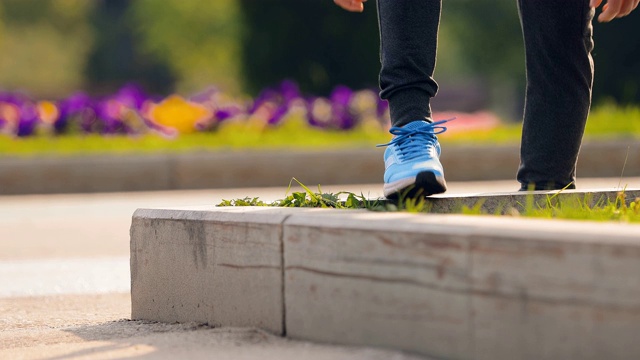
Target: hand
x=353, y=5
x=614, y=8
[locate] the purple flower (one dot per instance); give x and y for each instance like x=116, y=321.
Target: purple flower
x=131, y=96
x=75, y=110
x=289, y=91
x=128, y=111
x=14, y=98
x=120, y=113
x=227, y=112
x=109, y=117
x=18, y=113
x=334, y=112
x=342, y=114
x=28, y=119
x=221, y=106
x=274, y=104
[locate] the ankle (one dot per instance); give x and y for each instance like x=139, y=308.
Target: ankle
x=546, y=185
x=409, y=105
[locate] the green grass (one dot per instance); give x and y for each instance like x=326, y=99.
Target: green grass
x=619, y=210
x=310, y=199
x=609, y=121
x=606, y=122
x=570, y=208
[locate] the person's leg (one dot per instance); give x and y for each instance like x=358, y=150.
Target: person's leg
x=408, y=40
x=558, y=43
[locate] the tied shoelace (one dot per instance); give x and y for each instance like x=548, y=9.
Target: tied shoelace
x=412, y=142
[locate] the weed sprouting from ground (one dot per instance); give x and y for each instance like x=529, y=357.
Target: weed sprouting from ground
x=618, y=209
x=247, y=201
x=553, y=206
x=319, y=199
x=570, y=208
x=311, y=199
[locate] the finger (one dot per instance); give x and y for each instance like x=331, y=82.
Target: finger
x=610, y=10
x=595, y=3
x=630, y=6
x=626, y=8
x=350, y=5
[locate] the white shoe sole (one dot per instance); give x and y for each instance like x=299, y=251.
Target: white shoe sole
x=426, y=183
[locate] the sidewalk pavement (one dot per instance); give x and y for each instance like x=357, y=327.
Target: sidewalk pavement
x=64, y=280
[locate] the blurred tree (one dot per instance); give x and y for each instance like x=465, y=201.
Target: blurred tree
x=490, y=42
x=44, y=44
x=490, y=37
x=312, y=41
x=200, y=40
x=117, y=58
x=187, y=45
x=617, y=60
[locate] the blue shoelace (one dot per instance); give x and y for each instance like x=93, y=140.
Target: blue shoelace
x=412, y=142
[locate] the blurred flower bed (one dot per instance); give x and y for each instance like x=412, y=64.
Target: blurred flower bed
x=130, y=111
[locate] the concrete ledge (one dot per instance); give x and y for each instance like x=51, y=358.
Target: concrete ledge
x=501, y=203
x=448, y=286
x=275, y=168
x=221, y=268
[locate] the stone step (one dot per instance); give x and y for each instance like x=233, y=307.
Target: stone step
x=501, y=203
x=447, y=286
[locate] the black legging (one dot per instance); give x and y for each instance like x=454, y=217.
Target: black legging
x=558, y=44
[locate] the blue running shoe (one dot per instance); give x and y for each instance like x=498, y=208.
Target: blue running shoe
x=412, y=164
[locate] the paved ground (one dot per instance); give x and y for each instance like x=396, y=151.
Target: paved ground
x=64, y=281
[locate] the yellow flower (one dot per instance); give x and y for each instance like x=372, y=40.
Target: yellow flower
x=177, y=113
x=48, y=112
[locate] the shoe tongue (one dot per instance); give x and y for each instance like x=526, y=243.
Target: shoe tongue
x=416, y=125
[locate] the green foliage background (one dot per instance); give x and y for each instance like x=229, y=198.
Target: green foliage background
x=117, y=55
x=312, y=41
x=44, y=45
x=200, y=40
x=51, y=48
